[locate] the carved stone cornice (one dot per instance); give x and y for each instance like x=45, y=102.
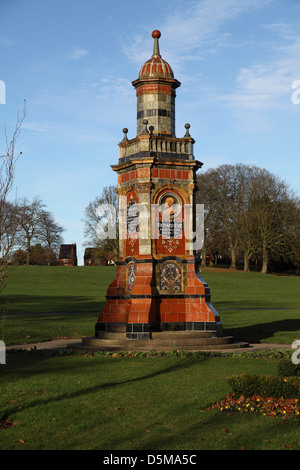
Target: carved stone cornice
x=144, y=187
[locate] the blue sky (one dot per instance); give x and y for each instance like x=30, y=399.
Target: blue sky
x=74, y=61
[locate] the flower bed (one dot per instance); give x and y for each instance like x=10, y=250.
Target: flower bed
x=268, y=354
x=268, y=395
x=268, y=406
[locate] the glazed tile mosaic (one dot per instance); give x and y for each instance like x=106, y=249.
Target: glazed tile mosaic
x=170, y=277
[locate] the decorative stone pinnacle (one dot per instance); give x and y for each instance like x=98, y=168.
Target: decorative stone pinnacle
x=187, y=126
x=156, y=35
x=145, y=130
x=125, y=130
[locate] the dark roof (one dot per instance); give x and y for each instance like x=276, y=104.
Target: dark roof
x=90, y=253
x=67, y=251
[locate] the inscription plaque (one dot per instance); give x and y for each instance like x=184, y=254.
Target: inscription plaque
x=132, y=217
x=170, y=228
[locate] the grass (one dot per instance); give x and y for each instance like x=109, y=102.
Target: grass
x=52, y=289
x=33, y=293
x=36, y=328
x=253, y=307
x=256, y=307
x=91, y=406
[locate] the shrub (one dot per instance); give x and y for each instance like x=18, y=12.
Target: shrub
x=286, y=368
x=265, y=386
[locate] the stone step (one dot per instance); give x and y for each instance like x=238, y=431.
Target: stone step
x=183, y=334
x=182, y=343
x=155, y=343
x=132, y=345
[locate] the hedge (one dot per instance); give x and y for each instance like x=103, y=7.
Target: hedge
x=265, y=386
x=286, y=368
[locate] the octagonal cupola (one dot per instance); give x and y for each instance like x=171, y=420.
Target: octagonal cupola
x=155, y=91
x=156, y=66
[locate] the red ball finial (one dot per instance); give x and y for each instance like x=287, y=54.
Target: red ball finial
x=156, y=34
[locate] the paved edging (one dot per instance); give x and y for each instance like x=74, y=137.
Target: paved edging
x=68, y=343
x=54, y=344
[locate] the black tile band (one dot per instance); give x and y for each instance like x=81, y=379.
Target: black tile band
x=161, y=296
x=156, y=261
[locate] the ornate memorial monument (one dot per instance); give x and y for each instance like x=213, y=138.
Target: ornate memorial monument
x=158, y=299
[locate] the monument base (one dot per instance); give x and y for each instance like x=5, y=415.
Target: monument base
x=145, y=320
x=145, y=330
x=167, y=337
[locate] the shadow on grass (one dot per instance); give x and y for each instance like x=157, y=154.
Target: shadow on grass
x=183, y=364
x=220, y=431
x=260, y=331
x=256, y=304
x=20, y=304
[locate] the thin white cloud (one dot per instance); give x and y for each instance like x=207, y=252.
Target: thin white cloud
x=193, y=30
x=39, y=127
x=58, y=131
x=115, y=88
x=267, y=85
x=285, y=30
x=78, y=53
x=190, y=32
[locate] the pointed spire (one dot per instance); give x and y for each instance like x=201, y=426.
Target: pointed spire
x=156, y=35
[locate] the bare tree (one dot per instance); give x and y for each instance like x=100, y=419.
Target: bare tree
x=294, y=230
x=249, y=212
x=36, y=225
x=274, y=217
x=209, y=197
x=50, y=233
x=248, y=239
x=28, y=215
x=247, y=234
x=98, y=219
x=222, y=191
x=8, y=226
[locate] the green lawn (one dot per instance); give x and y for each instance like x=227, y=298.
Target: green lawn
x=256, y=307
x=236, y=289
x=133, y=404
x=44, y=289
x=252, y=306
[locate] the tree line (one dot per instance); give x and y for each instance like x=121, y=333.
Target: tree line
x=35, y=235
x=251, y=218
x=105, y=249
